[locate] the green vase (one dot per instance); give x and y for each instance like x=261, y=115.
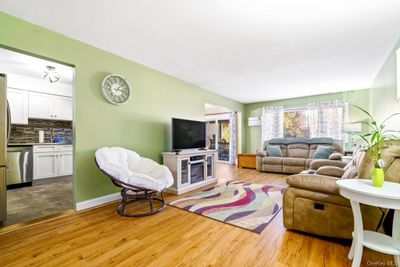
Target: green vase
x=378, y=176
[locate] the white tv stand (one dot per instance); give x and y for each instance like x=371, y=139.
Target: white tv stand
x=191, y=169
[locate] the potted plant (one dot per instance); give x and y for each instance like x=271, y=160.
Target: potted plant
x=375, y=138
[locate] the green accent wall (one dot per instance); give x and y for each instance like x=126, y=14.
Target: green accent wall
x=253, y=134
x=383, y=93
x=143, y=124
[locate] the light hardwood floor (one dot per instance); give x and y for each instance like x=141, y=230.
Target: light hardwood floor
x=174, y=237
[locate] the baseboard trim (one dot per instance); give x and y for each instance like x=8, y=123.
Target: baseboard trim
x=94, y=202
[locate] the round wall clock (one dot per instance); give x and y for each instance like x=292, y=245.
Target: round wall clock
x=116, y=89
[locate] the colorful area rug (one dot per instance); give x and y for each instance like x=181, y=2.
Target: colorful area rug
x=246, y=205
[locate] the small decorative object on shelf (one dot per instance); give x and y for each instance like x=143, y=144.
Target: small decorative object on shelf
x=375, y=138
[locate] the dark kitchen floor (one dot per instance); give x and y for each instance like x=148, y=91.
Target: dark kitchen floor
x=45, y=197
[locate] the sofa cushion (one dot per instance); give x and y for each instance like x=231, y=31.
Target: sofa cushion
x=292, y=169
x=274, y=151
x=272, y=168
x=294, y=162
x=297, y=151
x=272, y=160
x=323, y=152
x=313, y=149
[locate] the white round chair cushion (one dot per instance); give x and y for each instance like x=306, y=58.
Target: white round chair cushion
x=132, y=169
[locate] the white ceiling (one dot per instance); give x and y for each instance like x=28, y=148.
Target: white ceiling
x=248, y=50
x=16, y=63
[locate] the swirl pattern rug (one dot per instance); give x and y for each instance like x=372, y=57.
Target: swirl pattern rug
x=246, y=205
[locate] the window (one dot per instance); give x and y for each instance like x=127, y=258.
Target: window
x=321, y=119
x=296, y=124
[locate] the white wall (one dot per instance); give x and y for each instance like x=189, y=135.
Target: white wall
x=383, y=93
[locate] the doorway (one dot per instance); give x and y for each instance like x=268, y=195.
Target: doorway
x=222, y=132
x=38, y=180
x=218, y=135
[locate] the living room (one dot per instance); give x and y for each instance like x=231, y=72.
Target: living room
x=177, y=58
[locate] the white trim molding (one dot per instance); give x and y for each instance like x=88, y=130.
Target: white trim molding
x=94, y=202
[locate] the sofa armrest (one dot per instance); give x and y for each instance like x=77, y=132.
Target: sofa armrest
x=330, y=171
x=316, y=183
x=318, y=163
x=262, y=153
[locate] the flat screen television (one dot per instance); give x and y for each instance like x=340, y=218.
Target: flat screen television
x=188, y=134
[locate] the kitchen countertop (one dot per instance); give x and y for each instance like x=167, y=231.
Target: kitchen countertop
x=37, y=144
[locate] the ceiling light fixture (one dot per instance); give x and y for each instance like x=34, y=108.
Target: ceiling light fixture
x=51, y=75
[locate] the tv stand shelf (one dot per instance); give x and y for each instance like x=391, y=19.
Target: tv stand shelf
x=191, y=169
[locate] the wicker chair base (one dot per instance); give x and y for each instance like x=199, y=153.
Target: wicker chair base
x=130, y=196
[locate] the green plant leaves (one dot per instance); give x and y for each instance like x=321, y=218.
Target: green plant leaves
x=377, y=134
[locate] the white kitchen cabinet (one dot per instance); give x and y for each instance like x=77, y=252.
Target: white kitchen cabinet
x=52, y=161
x=45, y=165
x=51, y=107
x=63, y=108
x=18, y=101
x=40, y=106
x=65, y=163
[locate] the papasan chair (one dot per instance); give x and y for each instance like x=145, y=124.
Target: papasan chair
x=140, y=178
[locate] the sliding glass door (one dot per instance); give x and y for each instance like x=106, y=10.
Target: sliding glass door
x=223, y=140
x=218, y=137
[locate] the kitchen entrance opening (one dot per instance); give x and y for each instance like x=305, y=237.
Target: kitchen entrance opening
x=36, y=134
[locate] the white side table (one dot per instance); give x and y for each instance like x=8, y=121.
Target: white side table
x=361, y=191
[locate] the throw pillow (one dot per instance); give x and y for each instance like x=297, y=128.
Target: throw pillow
x=335, y=156
x=274, y=151
x=348, y=165
x=358, y=155
x=323, y=152
x=350, y=173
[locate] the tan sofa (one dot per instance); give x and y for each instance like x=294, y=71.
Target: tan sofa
x=312, y=202
x=297, y=154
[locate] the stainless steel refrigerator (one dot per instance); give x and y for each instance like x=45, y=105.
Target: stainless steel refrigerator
x=5, y=128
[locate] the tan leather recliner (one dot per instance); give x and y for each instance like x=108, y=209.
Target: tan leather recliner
x=312, y=202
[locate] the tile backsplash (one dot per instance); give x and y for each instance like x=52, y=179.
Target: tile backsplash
x=30, y=133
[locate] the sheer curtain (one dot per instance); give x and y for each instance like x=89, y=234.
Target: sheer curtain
x=326, y=119
x=271, y=123
x=233, y=137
